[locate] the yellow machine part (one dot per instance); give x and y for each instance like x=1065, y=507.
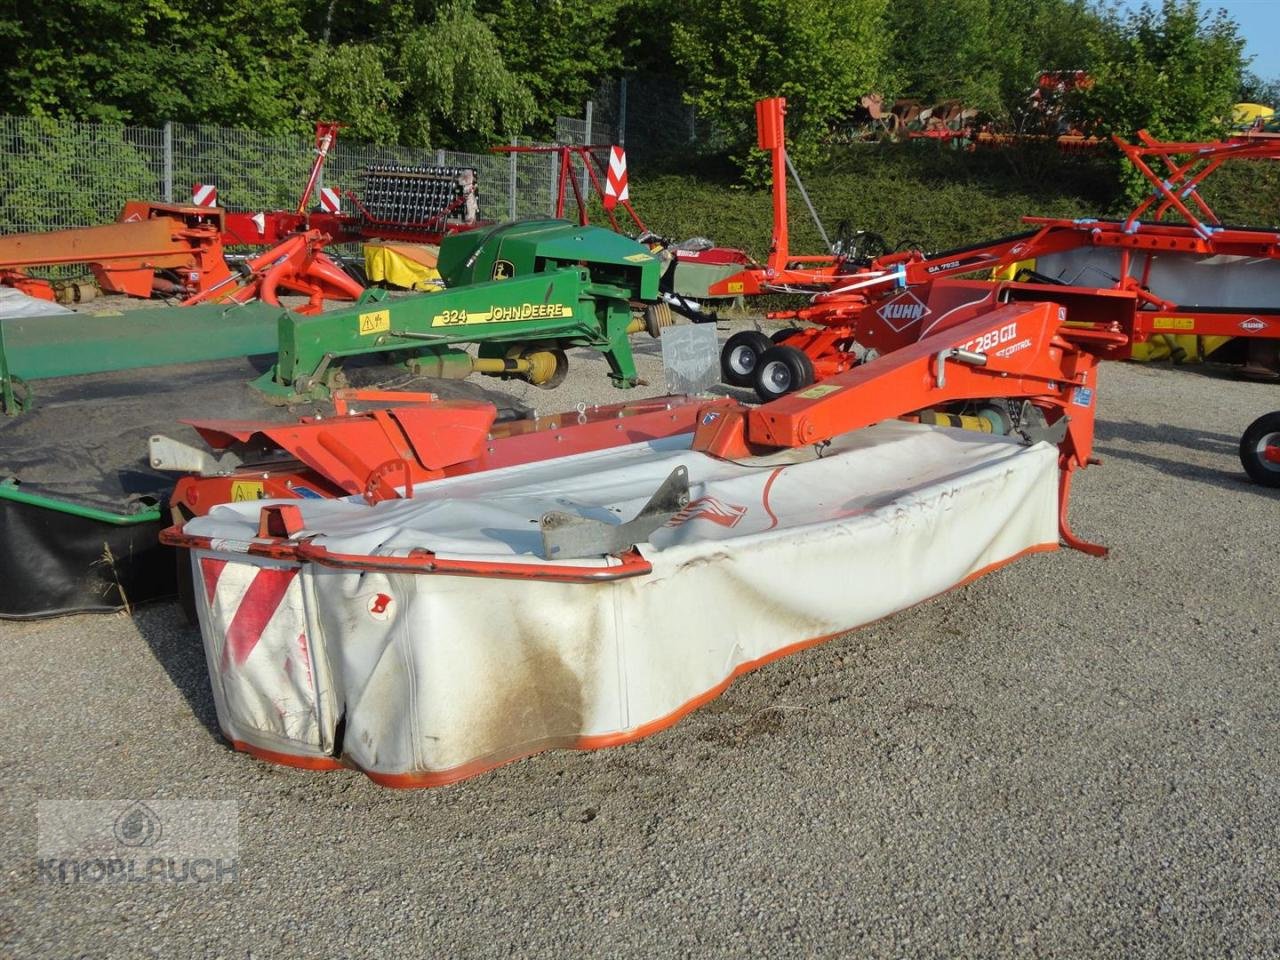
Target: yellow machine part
x=1246, y=113
x=1011, y=271
x=408, y=266
x=1180, y=347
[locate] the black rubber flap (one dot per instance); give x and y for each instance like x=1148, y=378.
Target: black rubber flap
x=55, y=563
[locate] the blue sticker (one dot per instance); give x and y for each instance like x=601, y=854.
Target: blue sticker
x=1082, y=396
x=306, y=493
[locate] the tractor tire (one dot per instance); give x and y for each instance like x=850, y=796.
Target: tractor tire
x=739, y=356
x=780, y=337
x=1262, y=434
x=780, y=371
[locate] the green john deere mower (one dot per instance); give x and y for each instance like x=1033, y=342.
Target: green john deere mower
x=80, y=507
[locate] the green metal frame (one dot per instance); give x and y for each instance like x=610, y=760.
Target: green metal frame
x=556, y=308
x=9, y=490
x=537, y=284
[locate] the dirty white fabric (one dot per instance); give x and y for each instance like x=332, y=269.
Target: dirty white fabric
x=15, y=303
x=438, y=676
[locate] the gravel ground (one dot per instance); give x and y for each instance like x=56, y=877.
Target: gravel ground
x=1071, y=756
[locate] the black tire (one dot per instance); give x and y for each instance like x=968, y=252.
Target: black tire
x=781, y=336
x=780, y=371
x=1262, y=433
x=739, y=356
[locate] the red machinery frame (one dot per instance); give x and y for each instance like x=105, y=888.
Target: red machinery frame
x=589, y=157
x=383, y=453
x=124, y=256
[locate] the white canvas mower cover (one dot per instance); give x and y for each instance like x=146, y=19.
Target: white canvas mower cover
x=351, y=653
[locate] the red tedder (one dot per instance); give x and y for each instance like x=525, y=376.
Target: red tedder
x=1146, y=278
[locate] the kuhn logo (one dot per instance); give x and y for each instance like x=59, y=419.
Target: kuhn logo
x=709, y=508
x=903, y=311
x=1253, y=323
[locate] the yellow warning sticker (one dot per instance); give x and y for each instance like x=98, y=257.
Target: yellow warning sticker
x=735, y=287
x=1173, y=323
x=496, y=314
x=638, y=258
x=376, y=321
x=242, y=490
x=821, y=390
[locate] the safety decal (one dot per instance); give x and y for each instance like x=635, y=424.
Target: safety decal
x=376, y=321
x=242, y=490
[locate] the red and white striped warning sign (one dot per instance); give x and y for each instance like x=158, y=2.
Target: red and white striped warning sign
x=257, y=615
x=204, y=195
x=330, y=201
x=615, y=188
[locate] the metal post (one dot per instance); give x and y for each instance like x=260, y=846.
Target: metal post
x=586, y=140
x=555, y=180
x=440, y=158
x=511, y=189
x=168, y=161
x=622, y=112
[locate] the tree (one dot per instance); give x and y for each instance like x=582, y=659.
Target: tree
x=457, y=90
x=559, y=49
x=1175, y=72
x=987, y=53
x=819, y=54
x=1254, y=89
x=350, y=82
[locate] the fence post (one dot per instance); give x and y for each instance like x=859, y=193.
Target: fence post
x=586, y=140
x=168, y=161
x=622, y=112
x=554, y=181
x=440, y=158
x=511, y=187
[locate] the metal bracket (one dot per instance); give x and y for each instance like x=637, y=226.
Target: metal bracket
x=567, y=536
x=174, y=456
x=1053, y=433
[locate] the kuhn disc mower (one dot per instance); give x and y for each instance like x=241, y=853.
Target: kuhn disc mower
x=424, y=593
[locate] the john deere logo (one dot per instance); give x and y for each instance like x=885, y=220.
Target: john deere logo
x=503, y=269
x=138, y=826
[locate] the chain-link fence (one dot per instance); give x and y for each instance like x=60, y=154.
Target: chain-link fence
x=56, y=174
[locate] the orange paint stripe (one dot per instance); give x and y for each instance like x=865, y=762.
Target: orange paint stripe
x=442, y=778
